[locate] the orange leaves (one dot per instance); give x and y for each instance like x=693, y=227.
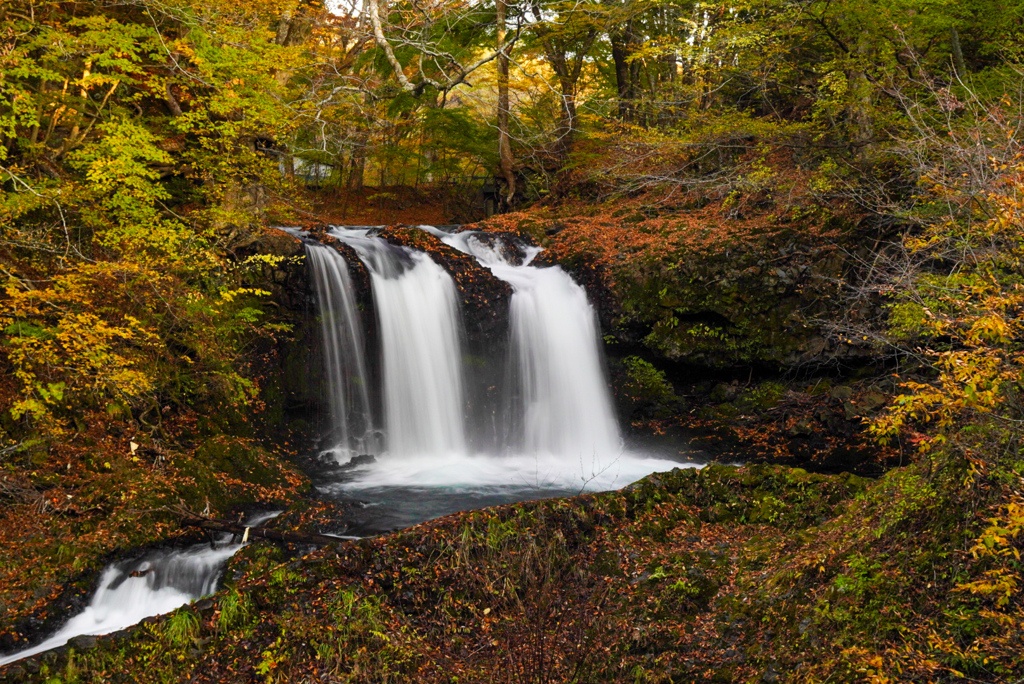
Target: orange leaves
x=968, y=317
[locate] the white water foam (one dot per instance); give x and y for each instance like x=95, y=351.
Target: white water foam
x=484, y=472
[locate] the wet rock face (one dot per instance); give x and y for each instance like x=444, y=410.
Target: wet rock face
x=736, y=306
x=289, y=364
x=284, y=276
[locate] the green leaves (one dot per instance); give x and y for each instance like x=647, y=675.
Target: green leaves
x=122, y=199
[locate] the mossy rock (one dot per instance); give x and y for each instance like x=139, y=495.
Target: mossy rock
x=753, y=494
x=727, y=302
x=239, y=459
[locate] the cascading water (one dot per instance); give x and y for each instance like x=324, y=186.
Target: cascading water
x=417, y=310
x=565, y=438
x=158, y=583
x=347, y=382
x=564, y=400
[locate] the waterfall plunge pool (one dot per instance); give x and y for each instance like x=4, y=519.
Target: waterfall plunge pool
x=393, y=493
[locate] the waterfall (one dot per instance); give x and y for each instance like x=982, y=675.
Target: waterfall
x=563, y=406
x=564, y=403
x=158, y=583
x=417, y=311
x=346, y=379
x=556, y=429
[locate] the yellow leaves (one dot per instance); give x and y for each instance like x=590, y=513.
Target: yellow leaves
x=999, y=542
x=263, y=259
x=969, y=380
x=229, y=295
x=30, y=406
x=871, y=666
x=67, y=346
x=1003, y=530
x=1001, y=584
x=992, y=329
x=969, y=317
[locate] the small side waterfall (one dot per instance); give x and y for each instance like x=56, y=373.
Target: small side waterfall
x=417, y=310
x=158, y=583
x=344, y=363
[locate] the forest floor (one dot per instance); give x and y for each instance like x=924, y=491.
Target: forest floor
x=375, y=206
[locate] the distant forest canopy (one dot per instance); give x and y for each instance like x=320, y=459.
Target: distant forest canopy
x=367, y=92
x=140, y=140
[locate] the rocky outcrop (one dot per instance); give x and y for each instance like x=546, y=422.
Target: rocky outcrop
x=695, y=289
x=288, y=364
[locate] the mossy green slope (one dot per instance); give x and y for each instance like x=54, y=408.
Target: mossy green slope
x=759, y=573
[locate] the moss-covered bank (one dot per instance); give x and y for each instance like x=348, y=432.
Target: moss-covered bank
x=760, y=573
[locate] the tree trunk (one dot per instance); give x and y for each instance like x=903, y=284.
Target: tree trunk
x=239, y=530
x=566, y=114
x=505, y=159
x=862, y=114
x=567, y=102
x=284, y=27
x=172, y=101
x=355, y=175
x=958, y=56
x=288, y=161
x=623, y=77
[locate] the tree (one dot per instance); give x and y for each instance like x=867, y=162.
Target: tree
x=506, y=161
x=129, y=166
x=566, y=41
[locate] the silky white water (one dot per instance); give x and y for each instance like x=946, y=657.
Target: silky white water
x=564, y=438
x=421, y=355
x=563, y=396
x=130, y=592
x=341, y=329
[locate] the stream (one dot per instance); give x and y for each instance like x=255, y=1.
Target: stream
x=157, y=583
